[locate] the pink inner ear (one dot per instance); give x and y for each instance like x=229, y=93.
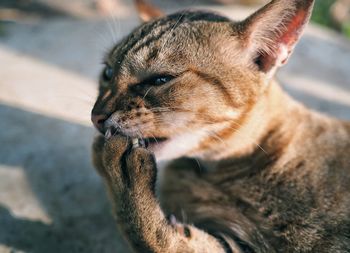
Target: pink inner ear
x=285, y=43
x=294, y=28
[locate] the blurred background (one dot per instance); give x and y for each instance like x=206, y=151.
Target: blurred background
x=51, y=199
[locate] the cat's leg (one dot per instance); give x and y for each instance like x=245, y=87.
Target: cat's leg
x=130, y=175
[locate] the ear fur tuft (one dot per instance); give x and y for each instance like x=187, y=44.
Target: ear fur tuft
x=271, y=33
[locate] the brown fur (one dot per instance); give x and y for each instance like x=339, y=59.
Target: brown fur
x=258, y=172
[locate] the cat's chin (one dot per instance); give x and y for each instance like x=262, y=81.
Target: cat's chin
x=162, y=148
x=176, y=146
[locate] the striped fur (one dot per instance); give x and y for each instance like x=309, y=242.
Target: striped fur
x=249, y=169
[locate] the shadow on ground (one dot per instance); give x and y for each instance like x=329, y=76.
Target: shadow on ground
x=55, y=156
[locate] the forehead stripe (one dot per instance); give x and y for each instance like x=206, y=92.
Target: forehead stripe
x=143, y=36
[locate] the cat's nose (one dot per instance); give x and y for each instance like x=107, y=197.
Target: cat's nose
x=99, y=120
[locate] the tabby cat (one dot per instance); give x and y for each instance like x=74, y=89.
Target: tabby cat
x=248, y=168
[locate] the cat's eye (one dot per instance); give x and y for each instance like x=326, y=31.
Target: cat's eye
x=108, y=74
x=159, y=80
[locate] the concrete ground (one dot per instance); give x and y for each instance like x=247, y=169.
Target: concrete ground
x=51, y=199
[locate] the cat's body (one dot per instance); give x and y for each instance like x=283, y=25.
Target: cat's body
x=291, y=191
x=266, y=174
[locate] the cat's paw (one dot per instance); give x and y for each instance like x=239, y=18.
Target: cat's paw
x=126, y=167
x=97, y=152
x=142, y=169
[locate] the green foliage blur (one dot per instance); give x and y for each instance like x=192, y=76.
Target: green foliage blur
x=346, y=29
x=322, y=16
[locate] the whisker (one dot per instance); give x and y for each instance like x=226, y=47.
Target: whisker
x=171, y=30
x=147, y=93
x=110, y=27
x=155, y=139
x=237, y=130
x=199, y=165
x=174, y=27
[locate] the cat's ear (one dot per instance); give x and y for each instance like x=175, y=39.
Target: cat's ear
x=271, y=33
x=147, y=12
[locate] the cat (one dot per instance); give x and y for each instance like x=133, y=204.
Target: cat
x=248, y=168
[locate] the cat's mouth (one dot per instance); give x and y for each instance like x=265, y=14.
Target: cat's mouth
x=152, y=143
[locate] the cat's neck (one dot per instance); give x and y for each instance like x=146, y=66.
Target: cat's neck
x=267, y=127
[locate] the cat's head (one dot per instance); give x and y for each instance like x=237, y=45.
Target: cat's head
x=181, y=81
